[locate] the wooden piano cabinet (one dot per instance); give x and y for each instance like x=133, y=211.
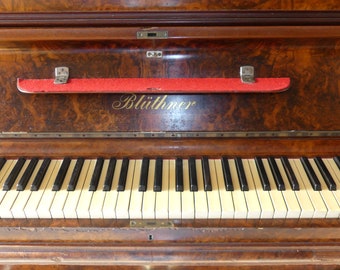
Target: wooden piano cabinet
x=229, y=244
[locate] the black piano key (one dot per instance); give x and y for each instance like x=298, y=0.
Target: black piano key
x=325, y=173
x=143, y=180
x=241, y=175
x=123, y=175
x=27, y=174
x=2, y=162
x=40, y=175
x=96, y=174
x=262, y=173
x=179, y=175
x=109, y=174
x=13, y=174
x=294, y=184
x=206, y=174
x=276, y=173
x=337, y=161
x=157, y=184
x=316, y=185
x=75, y=175
x=61, y=174
x=193, y=175
x=227, y=175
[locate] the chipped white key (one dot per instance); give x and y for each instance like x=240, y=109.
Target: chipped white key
x=149, y=199
x=175, y=197
x=136, y=201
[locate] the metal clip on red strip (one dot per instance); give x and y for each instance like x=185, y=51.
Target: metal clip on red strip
x=62, y=85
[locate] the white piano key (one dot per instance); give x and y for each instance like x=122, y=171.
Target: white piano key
x=71, y=203
x=320, y=209
x=175, y=197
x=200, y=196
x=226, y=198
x=28, y=201
x=213, y=197
x=307, y=208
x=4, y=173
x=162, y=198
x=98, y=198
x=279, y=204
x=335, y=173
x=136, y=201
x=188, y=204
x=85, y=197
x=61, y=196
x=149, y=198
x=240, y=204
x=292, y=203
x=333, y=210
x=123, y=199
x=254, y=208
x=109, y=208
x=11, y=195
x=267, y=209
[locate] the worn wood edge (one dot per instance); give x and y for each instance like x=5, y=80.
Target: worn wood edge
x=130, y=33
x=169, y=148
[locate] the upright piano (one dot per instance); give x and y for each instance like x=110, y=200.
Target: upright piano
x=170, y=134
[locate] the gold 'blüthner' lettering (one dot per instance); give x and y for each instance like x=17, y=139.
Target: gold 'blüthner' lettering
x=149, y=102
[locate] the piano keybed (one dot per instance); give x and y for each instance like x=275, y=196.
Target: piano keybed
x=156, y=188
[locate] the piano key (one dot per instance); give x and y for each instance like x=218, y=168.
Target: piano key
x=188, y=205
x=311, y=174
x=162, y=198
x=75, y=175
x=290, y=174
x=241, y=175
x=123, y=199
x=96, y=174
x=157, y=186
x=200, y=197
x=149, y=197
x=333, y=210
x=61, y=196
x=98, y=198
x=109, y=208
x=27, y=175
x=179, y=174
x=123, y=175
x=226, y=198
x=14, y=174
x=144, y=174
x=136, y=201
x=276, y=174
x=333, y=170
x=320, y=209
x=267, y=209
x=240, y=204
x=337, y=161
x=85, y=197
x=4, y=173
x=109, y=174
x=40, y=175
x=61, y=174
x=226, y=173
x=28, y=200
x=325, y=173
x=192, y=174
x=254, y=208
x=2, y=162
x=70, y=206
x=292, y=203
x=262, y=173
x=175, y=197
x=206, y=174
x=279, y=204
x=12, y=193
x=213, y=196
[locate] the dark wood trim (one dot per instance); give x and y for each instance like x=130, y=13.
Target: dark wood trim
x=164, y=18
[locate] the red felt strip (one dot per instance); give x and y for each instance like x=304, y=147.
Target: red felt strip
x=154, y=85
